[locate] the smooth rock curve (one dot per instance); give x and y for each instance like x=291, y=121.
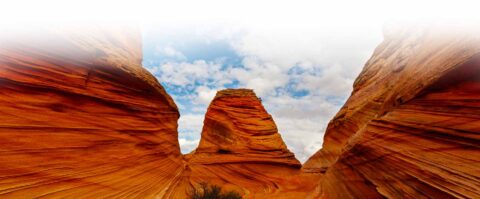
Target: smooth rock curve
x=81, y=118
x=411, y=127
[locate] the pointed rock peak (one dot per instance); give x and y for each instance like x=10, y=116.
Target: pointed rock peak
x=237, y=128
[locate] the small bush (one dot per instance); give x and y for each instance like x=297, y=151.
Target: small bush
x=213, y=192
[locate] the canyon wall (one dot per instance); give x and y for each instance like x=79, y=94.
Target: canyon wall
x=81, y=118
x=411, y=126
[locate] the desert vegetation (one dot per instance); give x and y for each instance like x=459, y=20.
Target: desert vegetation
x=206, y=191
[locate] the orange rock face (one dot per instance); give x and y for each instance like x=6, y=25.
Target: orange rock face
x=411, y=126
x=80, y=118
x=237, y=128
x=241, y=148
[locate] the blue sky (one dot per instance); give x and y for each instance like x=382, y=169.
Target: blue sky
x=303, y=76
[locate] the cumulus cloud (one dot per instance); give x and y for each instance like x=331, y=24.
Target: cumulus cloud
x=205, y=94
x=303, y=76
x=262, y=77
x=189, y=129
x=301, y=121
x=296, y=131
x=188, y=145
x=191, y=122
x=169, y=52
x=190, y=73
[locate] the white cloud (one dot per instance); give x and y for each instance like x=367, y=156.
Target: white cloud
x=191, y=122
x=263, y=78
x=188, y=73
x=188, y=145
x=205, y=94
x=336, y=80
x=301, y=121
x=304, y=137
x=169, y=52
x=190, y=126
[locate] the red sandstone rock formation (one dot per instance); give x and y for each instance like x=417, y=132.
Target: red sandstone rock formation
x=411, y=126
x=241, y=148
x=81, y=118
x=238, y=129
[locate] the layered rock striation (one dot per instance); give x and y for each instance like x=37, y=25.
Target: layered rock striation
x=237, y=128
x=411, y=126
x=81, y=118
x=240, y=148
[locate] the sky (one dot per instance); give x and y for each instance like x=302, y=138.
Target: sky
x=303, y=75
x=301, y=57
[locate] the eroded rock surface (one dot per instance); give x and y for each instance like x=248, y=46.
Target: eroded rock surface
x=237, y=128
x=411, y=126
x=81, y=118
x=241, y=148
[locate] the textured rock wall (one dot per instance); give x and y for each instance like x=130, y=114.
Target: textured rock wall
x=237, y=128
x=411, y=126
x=80, y=117
x=241, y=148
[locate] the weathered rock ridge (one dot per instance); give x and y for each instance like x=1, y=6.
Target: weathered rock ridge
x=411, y=126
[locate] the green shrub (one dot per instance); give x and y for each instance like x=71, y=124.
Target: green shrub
x=206, y=191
